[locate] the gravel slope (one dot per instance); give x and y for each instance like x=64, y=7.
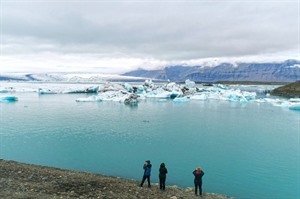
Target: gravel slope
x=19, y=180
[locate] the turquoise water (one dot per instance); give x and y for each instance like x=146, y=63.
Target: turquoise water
x=246, y=150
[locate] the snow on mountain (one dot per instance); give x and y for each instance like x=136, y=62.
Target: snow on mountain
x=287, y=71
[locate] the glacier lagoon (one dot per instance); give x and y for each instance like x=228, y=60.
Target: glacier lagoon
x=247, y=150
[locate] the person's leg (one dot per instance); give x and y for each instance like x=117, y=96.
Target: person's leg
x=160, y=183
x=164, y=183
x=200, y=188
x=196, y=187
x=148, y=179
x=143, y=180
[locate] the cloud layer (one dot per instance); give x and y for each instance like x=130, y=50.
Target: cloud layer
x=116, y=36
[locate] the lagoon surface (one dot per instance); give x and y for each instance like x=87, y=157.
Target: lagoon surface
x=247, y=150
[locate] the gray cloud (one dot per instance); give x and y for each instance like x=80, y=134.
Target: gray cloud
x=167, y=30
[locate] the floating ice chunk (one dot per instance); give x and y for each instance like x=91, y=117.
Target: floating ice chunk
x=202, y=96
x=140, y=89
x=92, y=89
x=189, y=83
x=295, y=107
x=46, y=91
x=181, y=99
x=111, y=87
x=117, y=96
x=148, y=82
x=8, y=99
x=128, y=87
x=239, y=96
x=131, y=99
x=159, y=93
x=221, y=86
x=171, y=86
x=93, y=98
x=4, y=90
x=294, y=100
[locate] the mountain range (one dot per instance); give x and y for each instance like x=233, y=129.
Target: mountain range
x=287, y=71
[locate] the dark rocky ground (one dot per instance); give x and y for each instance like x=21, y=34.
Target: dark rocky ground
x=289, y=91
x=26, y=181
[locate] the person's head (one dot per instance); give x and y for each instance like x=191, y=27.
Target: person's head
x=162, y=165
x=198, y=169
x=147, y=161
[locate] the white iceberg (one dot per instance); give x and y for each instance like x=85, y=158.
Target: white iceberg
x=181, y=99
x=46, y=91
x=93, y=98
x=189, y=83
x=128, y=87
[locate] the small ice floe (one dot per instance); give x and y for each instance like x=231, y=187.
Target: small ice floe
x=8, y=99
x=239, y=96
x=93, y=98
x=3, y=90
x=46, y=91
x=92, y=89
x=189, y=83
x=294, y=100
x=116, y=96
x=295, y=106
x=131, y=99
x=202, y=96
x=181, y=99
x=7, y=90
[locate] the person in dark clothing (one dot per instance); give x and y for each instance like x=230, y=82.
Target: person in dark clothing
x=162, y=176
x=198, y=173
x=147, y=173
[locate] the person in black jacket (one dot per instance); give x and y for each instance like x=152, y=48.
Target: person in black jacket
x=162, y=176
x=198, y=173
x=147, y=173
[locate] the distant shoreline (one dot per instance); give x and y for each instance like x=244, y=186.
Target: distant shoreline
x=22, y=180
x=142, y=80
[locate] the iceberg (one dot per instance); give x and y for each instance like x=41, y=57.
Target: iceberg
x=189, y=83
x=128, y=87
x=131, y=99
x=8, y=99
x=3, y=90
x=92, y=89
x=46, y=91
x=295, y=107
x=163, y=92
x=181, y=99
x=89, y=99
x=202, y=96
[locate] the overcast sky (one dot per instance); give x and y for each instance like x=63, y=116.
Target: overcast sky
x=118, y=36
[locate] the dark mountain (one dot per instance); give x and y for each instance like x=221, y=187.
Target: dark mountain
x=288, y=71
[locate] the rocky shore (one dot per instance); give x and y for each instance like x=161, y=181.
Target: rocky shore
x=20, y=180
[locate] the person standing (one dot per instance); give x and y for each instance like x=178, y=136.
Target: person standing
x=147, y=173
x=198, y=173
x=162, y=176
